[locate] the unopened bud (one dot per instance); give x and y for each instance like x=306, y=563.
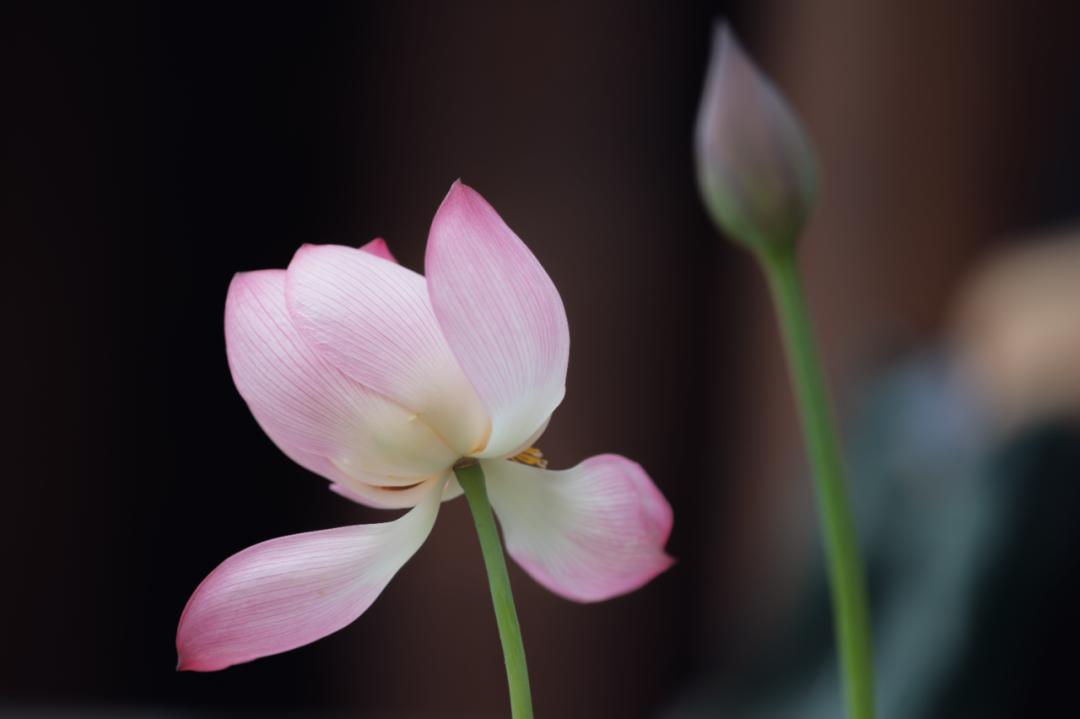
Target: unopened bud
x=755, y=166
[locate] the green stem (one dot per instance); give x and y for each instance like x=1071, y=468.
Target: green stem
x=850, y=614
x=471, y=479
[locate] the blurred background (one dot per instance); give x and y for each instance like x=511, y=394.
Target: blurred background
x=154, y=149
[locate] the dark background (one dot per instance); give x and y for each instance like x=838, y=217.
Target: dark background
x=157, y=148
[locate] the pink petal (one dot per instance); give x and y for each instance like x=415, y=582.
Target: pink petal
x=588, y=533
x=379, y=248
x=501, y=315
x=373, y=321
x=318, y=417
x=290, y=591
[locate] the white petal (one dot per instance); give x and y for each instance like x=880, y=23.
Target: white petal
x=378, y=492
x=588, y=533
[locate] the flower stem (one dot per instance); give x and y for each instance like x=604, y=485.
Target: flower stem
x=471, y=479
x=850, y=614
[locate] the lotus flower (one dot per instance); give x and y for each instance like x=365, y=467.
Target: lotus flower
x=381, y=380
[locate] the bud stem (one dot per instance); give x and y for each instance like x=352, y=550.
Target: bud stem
x=471, y=479
x=850, y=614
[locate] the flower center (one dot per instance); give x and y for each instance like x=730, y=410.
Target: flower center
x=532, y=457
x=465, y=462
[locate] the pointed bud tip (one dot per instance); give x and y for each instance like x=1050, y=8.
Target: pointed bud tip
x=724, y=39
x=755, y=166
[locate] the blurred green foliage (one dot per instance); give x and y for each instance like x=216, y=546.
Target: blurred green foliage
x=971, y=542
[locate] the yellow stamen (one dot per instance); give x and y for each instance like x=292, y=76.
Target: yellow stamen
x=532, y=457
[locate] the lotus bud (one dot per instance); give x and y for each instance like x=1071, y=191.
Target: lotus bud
x=755, y=166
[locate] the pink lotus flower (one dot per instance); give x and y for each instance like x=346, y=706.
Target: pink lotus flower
x=381, y=380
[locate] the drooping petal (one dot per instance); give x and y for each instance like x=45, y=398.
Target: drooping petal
x=501, y=315
x=588, y=533
x=290, y=591
x=317, y=416
x=379, y=248
x=373, y=321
